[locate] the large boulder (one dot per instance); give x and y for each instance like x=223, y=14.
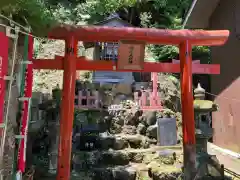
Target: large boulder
x=114, y=173
x=102, y=174
x=127, y=129
x=118, y=120
x=116, y=128
x=131, y=119
x=135, y=141
x=136, y=157
x=120, y=173
x=151, y=117
x=145, y=143
x=114, y=158
x=152, y=131
x=106, y=140
x=169, y=87
x=120, y=143
x=141, y=129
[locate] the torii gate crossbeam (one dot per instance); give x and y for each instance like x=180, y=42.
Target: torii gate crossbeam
x=185, y=39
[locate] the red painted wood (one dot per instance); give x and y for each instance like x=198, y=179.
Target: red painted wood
x=25, y=116
x=188, y=123
x=152, y=36
x=99, y=65
x=187, y=96
x=3, y=72
x=147, y=96
x=155, y=89
x=88, y=98
x=67, y=112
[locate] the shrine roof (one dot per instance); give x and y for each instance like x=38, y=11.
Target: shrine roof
x=151, y=36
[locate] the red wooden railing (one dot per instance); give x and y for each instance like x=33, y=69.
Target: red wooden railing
x=87, y=100
x=91, y=100
x=148, y=100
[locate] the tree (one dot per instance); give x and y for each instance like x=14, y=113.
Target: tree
x=30, y=13
x=163, y=14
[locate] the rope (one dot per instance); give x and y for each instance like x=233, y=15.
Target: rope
x=24, y=33
x=9, y=95
x=14, y=22
x=20, y=105
x=231, y=99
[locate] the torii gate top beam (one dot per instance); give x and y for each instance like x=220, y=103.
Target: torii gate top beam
x=151, y=36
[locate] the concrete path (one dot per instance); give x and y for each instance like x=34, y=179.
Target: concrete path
x=229, y=159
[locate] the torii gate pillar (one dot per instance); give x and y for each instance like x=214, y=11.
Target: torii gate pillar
x=67, y=109
x=188, y=124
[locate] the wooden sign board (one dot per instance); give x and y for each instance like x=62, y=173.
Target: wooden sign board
x=131, y=55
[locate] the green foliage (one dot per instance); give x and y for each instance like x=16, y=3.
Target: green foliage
x=171, y=14
x=163, y=14
x=31, y=13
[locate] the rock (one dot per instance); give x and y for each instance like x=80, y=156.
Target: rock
x=106, y=140
x=116, y=128
x=145, y=143
x=167, y=157
x=151, y=118
x=84, y=160
x=131, y=119
x=141, y=129
x=149, y=157
x=134, y=141
x=95, y=159
x=158, y=172
x=114, y=173
x=166, y=113
x=152, y=131
x=136, y=157
x=114, y=158
x=102, y=174
x=120, y=143
x=151, y=141
x=142, y=119
x=178, y=116
x=129, y=130
x=120, y=173
x=119, y=120
x=165, y=176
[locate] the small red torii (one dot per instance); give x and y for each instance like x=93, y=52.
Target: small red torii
x=185, y=39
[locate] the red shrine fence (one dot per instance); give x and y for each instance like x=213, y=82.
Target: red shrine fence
x=91, y=99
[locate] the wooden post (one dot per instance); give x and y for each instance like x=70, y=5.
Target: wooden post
x=188, y=124
x=67, y=110
x=154, y=94
x=155, y=88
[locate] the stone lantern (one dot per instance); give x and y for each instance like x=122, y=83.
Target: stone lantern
x=207, y=164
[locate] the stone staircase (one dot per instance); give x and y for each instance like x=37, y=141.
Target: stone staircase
x=128, y=157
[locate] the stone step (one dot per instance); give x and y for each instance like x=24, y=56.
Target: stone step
x=133, y=171
x=107, y=141
x=114, y=173
x=85, y=159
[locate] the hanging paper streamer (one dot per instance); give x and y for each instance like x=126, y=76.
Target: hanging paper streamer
x=26, y=105
x=3, y=72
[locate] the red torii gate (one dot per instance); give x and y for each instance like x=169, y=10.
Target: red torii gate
x=185, y=39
